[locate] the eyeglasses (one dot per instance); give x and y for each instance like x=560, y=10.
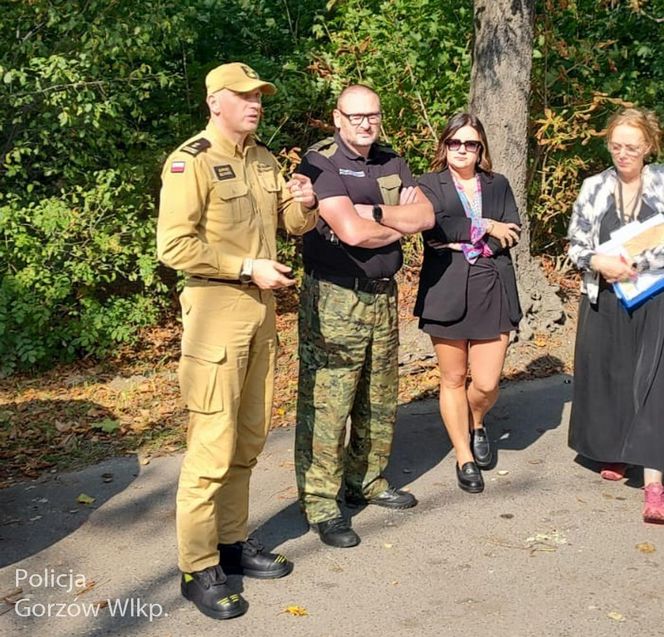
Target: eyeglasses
x=357, y=118
x=470, y=146
x=630, y=150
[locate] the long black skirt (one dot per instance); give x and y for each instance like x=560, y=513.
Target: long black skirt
x=618, y=404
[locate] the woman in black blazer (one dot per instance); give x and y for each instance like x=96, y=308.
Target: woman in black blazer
x=467, y=299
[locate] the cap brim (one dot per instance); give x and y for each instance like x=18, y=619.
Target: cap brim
x=250, y=85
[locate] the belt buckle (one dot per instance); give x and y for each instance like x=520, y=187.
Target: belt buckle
x=374, y=286
x=382, y=286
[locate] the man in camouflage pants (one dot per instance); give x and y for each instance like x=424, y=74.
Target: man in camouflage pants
x=348, y=322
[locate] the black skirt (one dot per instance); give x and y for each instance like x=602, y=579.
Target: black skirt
x=618, y=402
x=487, y=309
x=618, y=405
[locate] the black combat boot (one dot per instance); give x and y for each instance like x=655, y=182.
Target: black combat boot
x=248, y=558
x=208, y=590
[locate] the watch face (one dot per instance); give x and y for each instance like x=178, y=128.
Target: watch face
x=377, y=213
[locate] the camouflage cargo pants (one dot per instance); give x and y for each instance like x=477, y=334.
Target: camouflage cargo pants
x=348, y=367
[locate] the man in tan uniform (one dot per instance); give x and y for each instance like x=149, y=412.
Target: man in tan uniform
x=222, y=200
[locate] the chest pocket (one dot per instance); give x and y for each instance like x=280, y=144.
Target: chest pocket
x=268, y=193
x=268, y=179
x=232, y=199
x=390, y=186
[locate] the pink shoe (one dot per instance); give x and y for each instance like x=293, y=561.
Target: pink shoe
x=613, y=471
x=653, y=507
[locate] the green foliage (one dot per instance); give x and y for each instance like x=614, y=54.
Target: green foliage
x=414, y=53
x=86, y=100
x=94, y=95
x=595, y=56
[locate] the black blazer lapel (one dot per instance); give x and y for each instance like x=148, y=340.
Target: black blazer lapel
x=488, y=194
x=452, y=202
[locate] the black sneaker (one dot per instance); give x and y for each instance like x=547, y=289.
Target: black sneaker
x=337, y=532
x=391, y=498
x=247, y=558
x=208, y=590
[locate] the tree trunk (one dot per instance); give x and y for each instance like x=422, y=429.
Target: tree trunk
x=500, y=88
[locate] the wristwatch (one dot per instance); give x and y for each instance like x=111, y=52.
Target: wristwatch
x=377, y=212
x=247, y=270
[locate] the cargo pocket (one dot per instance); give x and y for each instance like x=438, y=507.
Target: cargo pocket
x=200, y=376
x=390, y=186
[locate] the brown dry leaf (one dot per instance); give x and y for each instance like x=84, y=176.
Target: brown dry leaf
x=89, y=585
x=295, y=611
x=62, y=426
x=289, y=493
x=646, y=547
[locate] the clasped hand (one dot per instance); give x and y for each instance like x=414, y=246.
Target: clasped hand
x=613, y=268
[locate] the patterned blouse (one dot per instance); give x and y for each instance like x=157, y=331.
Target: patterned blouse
x=593, y=201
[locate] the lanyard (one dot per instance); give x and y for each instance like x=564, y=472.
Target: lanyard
x=621, y=204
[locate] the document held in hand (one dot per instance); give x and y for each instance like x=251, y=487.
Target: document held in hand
x=630, y=240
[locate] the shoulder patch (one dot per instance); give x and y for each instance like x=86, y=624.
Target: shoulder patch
x=196, y=147
x=326, y=147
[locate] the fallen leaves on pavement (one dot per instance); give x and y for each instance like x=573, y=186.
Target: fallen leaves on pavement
x=295, y=611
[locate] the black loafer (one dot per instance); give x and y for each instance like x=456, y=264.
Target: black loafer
x=481, y=447
x=391, y=498
x=337, y=532
x=469, y=478
x=248, y=558
x=208, y=590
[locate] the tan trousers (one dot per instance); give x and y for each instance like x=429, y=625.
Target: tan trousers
x=226, y=376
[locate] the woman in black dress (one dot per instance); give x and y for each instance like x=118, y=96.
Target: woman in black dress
x=618, y=404
x=467, y=299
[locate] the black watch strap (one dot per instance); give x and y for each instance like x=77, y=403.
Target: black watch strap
x=377, y=212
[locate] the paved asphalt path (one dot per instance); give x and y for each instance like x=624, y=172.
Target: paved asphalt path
x=549, y=549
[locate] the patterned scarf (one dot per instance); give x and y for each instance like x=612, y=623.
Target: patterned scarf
x=477, y=247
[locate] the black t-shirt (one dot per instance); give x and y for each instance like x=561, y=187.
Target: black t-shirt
x=336, y=171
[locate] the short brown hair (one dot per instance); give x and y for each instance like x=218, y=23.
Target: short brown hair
x=458, y=121
x=355, y=88
x=646, y=121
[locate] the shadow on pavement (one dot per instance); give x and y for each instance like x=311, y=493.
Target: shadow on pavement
x=34, y=515
x=525, y=411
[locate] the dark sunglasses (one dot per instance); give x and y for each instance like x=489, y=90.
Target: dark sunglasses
x=469, y=146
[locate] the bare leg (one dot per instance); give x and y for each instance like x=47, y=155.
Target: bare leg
x=453, y=365
x=651, y=476
x=486, y=360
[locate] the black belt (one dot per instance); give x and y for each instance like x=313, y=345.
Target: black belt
x=229, y=281
x=373, y=286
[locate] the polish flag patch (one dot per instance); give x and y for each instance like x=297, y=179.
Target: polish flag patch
x=178, y=167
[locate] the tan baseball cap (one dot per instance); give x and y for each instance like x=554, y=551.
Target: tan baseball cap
x=237, y=77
